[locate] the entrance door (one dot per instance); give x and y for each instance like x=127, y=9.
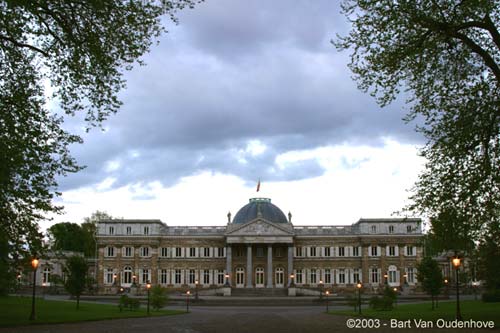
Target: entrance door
x=280, y=277
x=259, y=277
x=240, y=277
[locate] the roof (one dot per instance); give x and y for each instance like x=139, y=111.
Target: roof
x=260, y=208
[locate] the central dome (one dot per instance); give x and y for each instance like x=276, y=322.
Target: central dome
x=260, y=208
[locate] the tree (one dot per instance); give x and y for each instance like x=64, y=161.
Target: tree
x=430, y=277
x=445, y=56
x=76, y=277
x=66, y=236
x=158, y=297
x=80, y=49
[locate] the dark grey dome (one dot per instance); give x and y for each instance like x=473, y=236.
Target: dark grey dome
x=260, y=207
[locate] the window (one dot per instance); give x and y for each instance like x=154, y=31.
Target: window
x=145, y=276
x=298, y=251
x=146, y=230
x=341, y=251
x=192, y=276
x=46, y=275
x=260, y=252
x=392, y=251
x=127, y=275
x=127, y=251
x=163, y=276
x=374, y=251
x=409, y=229
x=129, y=230
x=238, y=252
x=259, y=276
x=298, y=276
x=177, y=276
x=341, y=276
x=206, y=252
x=220, y=252
x=393, y=274
x=206, y=276
x=108, y=276
x=374, y=229
x=410, y=251
x=144, y=251
x=327, y=252
x=374, y=275
x=109, y=251
x=312, y=276
x=410, y=275
x=356, y=251
x=279, y=253
x=164, y=252
x=178, y=252
x=240, y=276
x=220, y=277
x=328, y=276
x=192, y=252
x=279, y=276
x=111, y=230
x=312, y=252
x=356, y=276
x=391, y=229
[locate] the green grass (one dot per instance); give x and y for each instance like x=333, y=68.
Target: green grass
x=16, y=311
x=475, y=310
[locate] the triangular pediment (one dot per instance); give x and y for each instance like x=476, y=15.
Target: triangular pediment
x=260, y=227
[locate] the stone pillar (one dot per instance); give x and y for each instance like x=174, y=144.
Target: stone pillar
x=269, y=266
x=249, y=266
x=290, y=263
x=229, y=264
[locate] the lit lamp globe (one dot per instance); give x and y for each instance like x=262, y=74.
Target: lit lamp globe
x=456, y=262
x=34, y=263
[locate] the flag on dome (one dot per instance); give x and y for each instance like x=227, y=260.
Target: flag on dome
x=258, y=185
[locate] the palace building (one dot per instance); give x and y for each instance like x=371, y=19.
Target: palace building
x=258, y=248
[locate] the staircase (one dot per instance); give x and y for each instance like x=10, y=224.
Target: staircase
x=259, y=292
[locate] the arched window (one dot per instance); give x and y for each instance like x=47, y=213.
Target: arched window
x=127, y=275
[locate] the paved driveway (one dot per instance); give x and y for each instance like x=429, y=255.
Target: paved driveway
x=221, y=320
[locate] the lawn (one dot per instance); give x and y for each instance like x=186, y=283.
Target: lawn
x=476, y=310
x=16, y=311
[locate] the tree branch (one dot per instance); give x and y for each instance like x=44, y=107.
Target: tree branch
x=19, y=44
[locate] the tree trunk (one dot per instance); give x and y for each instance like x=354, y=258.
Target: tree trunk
x=77, y=302
x=432, y=301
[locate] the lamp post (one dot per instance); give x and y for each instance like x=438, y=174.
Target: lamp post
x=43, y=290
x=114, y=279
x=456, y=263
x=227, y=280
x=320, y=290
x=359, y=285
x=187, y=300
x=292, y=283
x=34, y=264
x=196, y=283
x=133, y=280
x=386, y=277
x=475, y=284
x=395, y=295
x=327, y=293
x=148, y=286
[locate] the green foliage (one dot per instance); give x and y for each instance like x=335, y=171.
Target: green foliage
x=491, y=296
x=7, y=275
x=383, y=303
x=445, y=56
x=81, y=50
x=430, y=277
x=389, y=292
x=489, y=252
x=76, y=277
x=158, y=297
x=129, y=303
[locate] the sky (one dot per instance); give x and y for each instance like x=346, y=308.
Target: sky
x=236, y=92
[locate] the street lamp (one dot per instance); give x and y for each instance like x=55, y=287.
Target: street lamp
x=187, y=300
x=227, y=280
x=292, y=283
x=386, y=277
x=395, y=295
x=43, y=290
x=327, y=293
x=320, y=290
x=359, y=285
x=196, y=283
x=475, y=285
x=456, y=263
x=148, y=286
x=133, y=280
x=114, y=279
x=34, y=264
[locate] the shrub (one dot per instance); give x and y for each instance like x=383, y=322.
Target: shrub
x=352, y=301
x=389, y=292
x=128, y=303
x=158, y=297
x=381, y=303
x=491, y=296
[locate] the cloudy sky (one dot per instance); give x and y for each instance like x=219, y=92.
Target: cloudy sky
x=241, y=91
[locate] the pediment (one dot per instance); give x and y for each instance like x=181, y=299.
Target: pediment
x=261, y=227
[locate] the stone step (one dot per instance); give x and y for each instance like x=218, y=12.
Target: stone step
x=258, y=292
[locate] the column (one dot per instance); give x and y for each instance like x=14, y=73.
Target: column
x=228, y=264
x=290, y=263
x=269, y=266
x=249, y=266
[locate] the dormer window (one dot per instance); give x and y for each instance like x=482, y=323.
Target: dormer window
x=129, y=230
x=146, y=230
x=374, y=229
x=111, y=230
x=391, y=229
x=409, y=229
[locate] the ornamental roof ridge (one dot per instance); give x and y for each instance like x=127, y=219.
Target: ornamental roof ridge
x=389, y=219
x=131, y=221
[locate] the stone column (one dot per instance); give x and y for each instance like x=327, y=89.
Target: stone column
x=269, y=266
x=249, y=266
x=290, y=263
x=229, y=263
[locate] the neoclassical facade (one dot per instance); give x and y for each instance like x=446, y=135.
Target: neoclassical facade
x=258, y=248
